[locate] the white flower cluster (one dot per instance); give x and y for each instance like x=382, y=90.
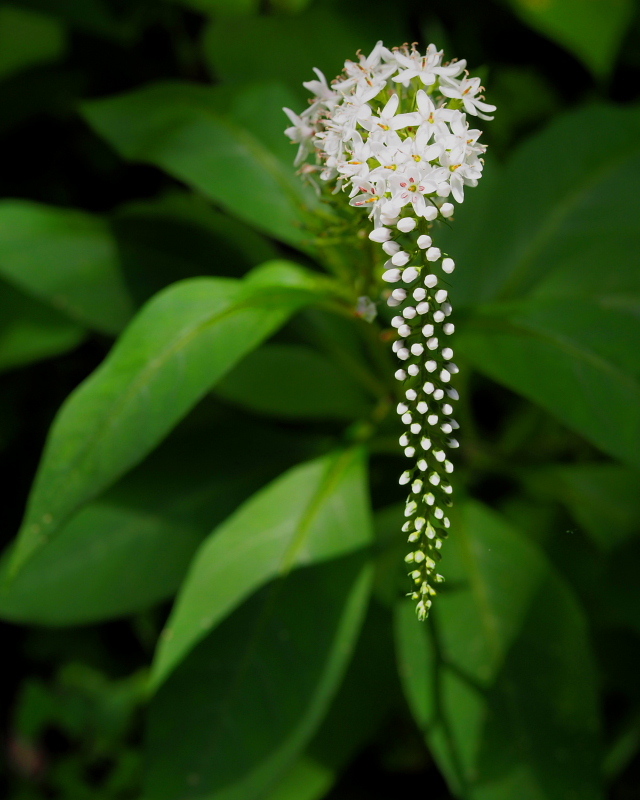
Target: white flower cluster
x=392, y=132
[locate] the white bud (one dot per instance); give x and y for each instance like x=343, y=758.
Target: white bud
x=403, y=354
x=404, y=330
x=416, y=427
x=448, y=467
x=432, y=343
x=400, y=258
x=391, y=276
x=432, y=419
x=446, y=407
x=454, y=424
x=397, y=321
x=430, y=500
x=453, y=394
x=397, y=345
x=411, y=395
x=447, y=352
x=434, y=478
x=399, y=294
x=406, y=224
x=430, y=366
x=427, y=330
x=410, y=508
x=391, y=248
x=413, y=369
x=430, y=213
x=424, y=241
x=422, y=407
x=425, y=443
x=446, y=428
x=439, y=454
x=448, y=265
x=402, y=408
x=446, y=308
x=419, y=294
x=448, y=328
x=430, y=281
x=419, y=522
x=417, y=349
x=404, y=478
x=452, y=368
x=400, y=374
x=410, y=452
x=409, y=312
x=438, y=316
x=433, y=254
x=416, y=486
x=438, y=394
x=422, y=465
x=392, y=302
x=447, y=209
x=410, y=274
x=446, y=522
x=440, y=295
x=404, y=440
x=423, y=307
x=380, y=235
x=445, y=376
x=428, y=387
x=406, y=418
x=438, y=513
x=453, y=443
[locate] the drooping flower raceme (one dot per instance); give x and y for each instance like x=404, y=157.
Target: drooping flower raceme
x=391, y=136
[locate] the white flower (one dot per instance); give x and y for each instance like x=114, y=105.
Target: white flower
x=417, y=66
x=300, y=132
x=466, y=90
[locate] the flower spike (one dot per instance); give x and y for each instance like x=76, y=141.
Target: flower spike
x=391, y=136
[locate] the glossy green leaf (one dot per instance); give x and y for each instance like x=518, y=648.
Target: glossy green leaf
x=131, y=548
x=174, y=351
x=28, y=38
x=294, y=381
x=578, y=359
x=323, y=36
x=602, y=497
x=180, y=235
x=193, y=133
x=238, y=711
x=590, y=29
x=31, y=331
x=559, y=219
x=312, y=513
x=502, y=679
x=67, y=259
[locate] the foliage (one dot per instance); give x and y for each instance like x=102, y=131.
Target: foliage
x=205, y=597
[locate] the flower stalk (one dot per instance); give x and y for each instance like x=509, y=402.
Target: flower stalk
x=390, y=136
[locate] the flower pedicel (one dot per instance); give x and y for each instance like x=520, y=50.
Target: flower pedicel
x=391, y=134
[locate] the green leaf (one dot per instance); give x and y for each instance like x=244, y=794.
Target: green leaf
x=502, y=680
x=578, y=359
x=294, y=381
x=179, y=235
x=313, y=512
x=237, y=713
x=590, y=29
x=192, y=132
x=104, y=563
x=67, y=259
x=323, y=36
x=559, y=220
x=28, y=38
x=31, y=331
x=174, y=351
x=602, y=497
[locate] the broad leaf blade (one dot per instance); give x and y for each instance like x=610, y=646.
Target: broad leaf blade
x=579, y=361
x=31, y=331
x=174, y=351
x=191, y=132
x=312, y=513
x=503, y=682
x=235, y=715
x=67, y=259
